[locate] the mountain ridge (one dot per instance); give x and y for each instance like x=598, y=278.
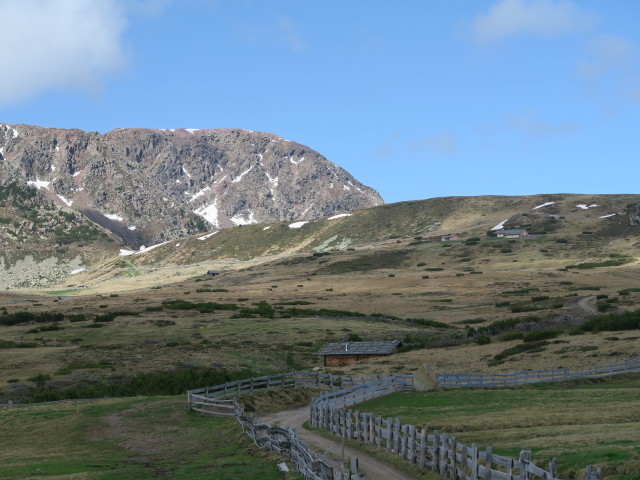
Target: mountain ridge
x=154, y=185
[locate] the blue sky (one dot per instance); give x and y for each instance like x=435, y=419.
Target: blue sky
x=415, y=98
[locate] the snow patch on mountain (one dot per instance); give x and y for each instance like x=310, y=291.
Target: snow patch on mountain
x=546, y=204
x=500, y=226
x=340, y=215
x=113, y=216
x=238, y=178
x=241, y=220
x=67, y=202
x=39, y=183
x=209, y=213
x=200, y=193
x=298, y=224
x=208, y=235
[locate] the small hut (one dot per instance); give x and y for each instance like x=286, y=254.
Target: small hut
x=451, y=237
x=515, y=233
x=341, y=354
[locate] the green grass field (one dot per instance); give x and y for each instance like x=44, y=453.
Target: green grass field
x=578, y=423
x=135, y=438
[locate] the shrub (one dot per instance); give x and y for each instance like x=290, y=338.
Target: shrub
x=540, y=298
x=503, y=304
x=421, y=264
x=433, y=269
x=562, y=240
x=507, y=337
x=427, y=323
x=533, y=347
x=483, y=340
x=613, y=322
x=541, y=335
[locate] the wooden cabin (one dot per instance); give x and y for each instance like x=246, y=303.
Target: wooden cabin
x=341, y=354
x=516, y=233
x=451, y=237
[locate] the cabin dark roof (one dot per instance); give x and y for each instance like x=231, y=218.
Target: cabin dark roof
x=517, y=231
x=360, y=348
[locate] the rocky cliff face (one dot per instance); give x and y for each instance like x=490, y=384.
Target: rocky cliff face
x=149, y=186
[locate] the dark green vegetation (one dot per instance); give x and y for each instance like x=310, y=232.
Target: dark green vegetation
x=579, y=423
x=157, y=383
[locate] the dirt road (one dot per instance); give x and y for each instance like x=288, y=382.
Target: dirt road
x=584, y=304
x=372, y=467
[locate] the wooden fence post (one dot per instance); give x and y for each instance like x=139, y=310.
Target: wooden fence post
x=487, y=464
x=553, y=468
x=372, y=432
x=475, y=462
x=356, y=432
x=454, y=457
x=436, y=450
x=389, y=433
x=525, y=458
x=422, y=460
x=396, y=436
x=464, y=454
x=443, y=454
x=411, y=444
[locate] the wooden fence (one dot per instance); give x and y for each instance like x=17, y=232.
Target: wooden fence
x=479, y=380
x=217, y=400
x=429, y=449
x=434, y=450
x=282, y=380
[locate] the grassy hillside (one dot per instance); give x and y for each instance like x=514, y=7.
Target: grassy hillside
x=153, y=323
x=578, y=423
x=140, y=438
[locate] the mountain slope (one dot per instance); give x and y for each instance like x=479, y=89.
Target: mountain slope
x=149, y=186
x=391, y=227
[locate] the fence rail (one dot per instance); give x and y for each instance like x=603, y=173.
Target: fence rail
x=220, y=400
x=429, y=449
x=479, y=380
x=281, y=380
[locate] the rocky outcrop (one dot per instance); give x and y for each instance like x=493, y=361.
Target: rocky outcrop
x=149, y=186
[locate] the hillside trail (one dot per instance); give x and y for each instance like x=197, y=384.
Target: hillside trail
x=584, y=304
x=373, y=468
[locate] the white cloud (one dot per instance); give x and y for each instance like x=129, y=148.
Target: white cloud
x=58, y=44
x=540, y=18
x=388, y=147
x=443, y=142
x=532, y=126
x=606, y=53
x=290, y=35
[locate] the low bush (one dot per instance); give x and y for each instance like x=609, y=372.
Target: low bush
x=612, y=322
x=507, y=337
x=541, y=335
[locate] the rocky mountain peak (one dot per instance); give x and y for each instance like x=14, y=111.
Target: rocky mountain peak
x=153, y=185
